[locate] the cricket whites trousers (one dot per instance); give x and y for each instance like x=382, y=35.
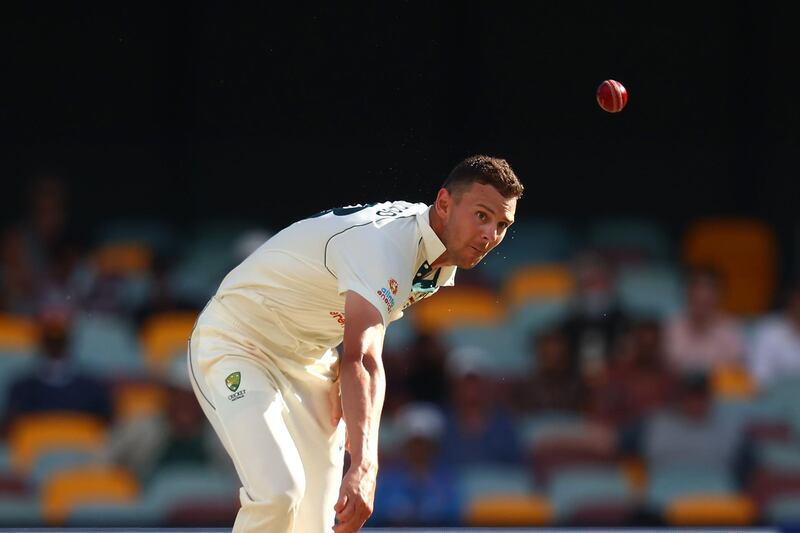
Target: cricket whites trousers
x=275, y=425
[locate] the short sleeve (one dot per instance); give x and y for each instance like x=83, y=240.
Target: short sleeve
x=365, y=263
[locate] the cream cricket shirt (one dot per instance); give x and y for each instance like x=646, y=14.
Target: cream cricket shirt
x=292, y=289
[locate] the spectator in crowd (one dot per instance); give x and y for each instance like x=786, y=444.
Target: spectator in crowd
x=636, y=384
x=40, y=252
x=596, y=320
x=418, y=489
x=776, y=349
x=56, y=383
x=690, y=432
x=477, y=430
x=555, y=384
x=703, y=337
x=427, y=379
x=177, y=435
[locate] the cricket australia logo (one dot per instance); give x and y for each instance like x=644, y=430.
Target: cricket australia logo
x=233, y=381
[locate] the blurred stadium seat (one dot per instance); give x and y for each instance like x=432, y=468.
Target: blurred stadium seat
x=67, y=488
x=704, y=511
x=21, y=512
x=572, y=488
x=207, y=257
x=106, y=346
x=35, y=434
x=479, y=481
x=152, y=234
x=784, y=512
x=456, y=306
x=536, y=283
x=18, y=335
x=666, y=484
x=122, y=259
x=509, y=511
x=732, y=382
x=164, y=336
x=133, y=399
x=48, y=463
x=175, y=486
x=650, y=291
x=502, y=353
x=744, y=251
x=778, y=457
x=630, y=240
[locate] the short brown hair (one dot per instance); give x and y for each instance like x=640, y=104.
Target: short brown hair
x=486, y=170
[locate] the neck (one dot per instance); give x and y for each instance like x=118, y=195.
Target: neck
x=437, y=225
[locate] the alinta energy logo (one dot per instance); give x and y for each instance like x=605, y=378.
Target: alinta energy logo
x=233, y=381
x=339, y=317
x=387, y=295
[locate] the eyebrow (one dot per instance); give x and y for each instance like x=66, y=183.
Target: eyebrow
x=508, y=221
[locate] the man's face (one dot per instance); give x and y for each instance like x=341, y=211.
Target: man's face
x=476, y=221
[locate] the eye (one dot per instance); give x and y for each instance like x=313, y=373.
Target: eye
x=502, y=226
x=481, y=216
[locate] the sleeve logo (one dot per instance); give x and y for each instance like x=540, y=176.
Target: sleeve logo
x=387, y=295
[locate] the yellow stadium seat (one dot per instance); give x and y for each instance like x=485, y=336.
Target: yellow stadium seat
x=541, y=281
x=123, y=259
x=17, y=334
x=94, y=484
x=452, y=307
x=164, y=335
x=733, y=382
x=509, y=511
x=34, y=434
x=711, y=511
x=745, y=253
x=132, y=400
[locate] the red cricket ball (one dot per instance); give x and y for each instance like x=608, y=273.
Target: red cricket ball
x=612, y=96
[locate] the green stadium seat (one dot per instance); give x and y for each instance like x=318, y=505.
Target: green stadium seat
x=572, y=488
x=652, y=291
x=670, y=482
x=631, y=240
x=106, y=346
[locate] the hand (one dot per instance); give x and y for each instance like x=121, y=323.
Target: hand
x=355, y=499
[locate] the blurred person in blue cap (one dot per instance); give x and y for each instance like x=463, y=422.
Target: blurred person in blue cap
x=57, y=383
x=418, y=489
x=478, y=428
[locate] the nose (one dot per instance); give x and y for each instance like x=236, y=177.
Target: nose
x=489, y=235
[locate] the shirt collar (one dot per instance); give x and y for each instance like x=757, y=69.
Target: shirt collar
x=434, y=247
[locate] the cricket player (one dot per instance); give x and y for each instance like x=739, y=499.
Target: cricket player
x=263, y=359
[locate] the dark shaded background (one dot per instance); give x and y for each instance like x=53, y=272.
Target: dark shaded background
x=204, y=111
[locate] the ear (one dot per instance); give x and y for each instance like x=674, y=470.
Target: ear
x=443, y=203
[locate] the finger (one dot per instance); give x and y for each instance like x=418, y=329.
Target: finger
x=341, y=502
x=347, y=514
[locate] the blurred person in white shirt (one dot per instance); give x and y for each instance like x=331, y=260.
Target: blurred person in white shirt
x=703, y=337
x=776, y=347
